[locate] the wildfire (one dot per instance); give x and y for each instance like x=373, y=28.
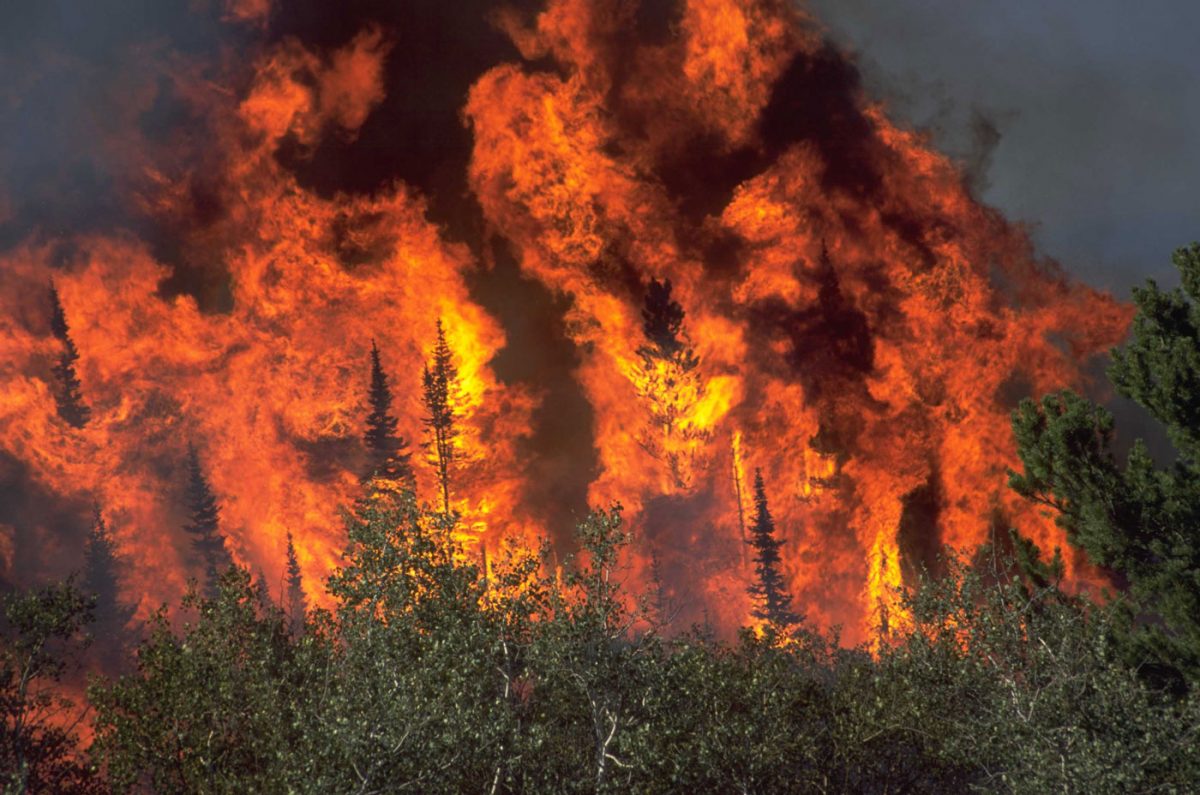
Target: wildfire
x=839, y=313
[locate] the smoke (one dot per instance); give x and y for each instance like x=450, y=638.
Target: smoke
x=1095, y=106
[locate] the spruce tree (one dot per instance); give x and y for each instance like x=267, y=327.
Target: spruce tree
x=772, y=602
x=387, y=450
x=440, y=382
x=262, y=593
x=101, y=579
x=204, y=523
x=69, y=395
x=297, y=605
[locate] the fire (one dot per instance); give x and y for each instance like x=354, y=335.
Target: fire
x=850, y=320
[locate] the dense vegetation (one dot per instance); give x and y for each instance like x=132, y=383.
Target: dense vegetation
x=429, y=676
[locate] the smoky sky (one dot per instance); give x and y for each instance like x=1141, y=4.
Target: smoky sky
x=1078, y=118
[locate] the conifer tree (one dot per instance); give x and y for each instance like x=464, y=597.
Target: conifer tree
x=297, y=605
x=1134, y=517
x=101, y=579
x=440, y=382
x=69, y=395
x=388, y=451
x=670, y=383
x=772, y=601
x=662, y=324
x=262, y=593
x=204, y=523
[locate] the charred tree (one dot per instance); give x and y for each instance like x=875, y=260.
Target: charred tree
x=297, y=602
x=670, y=383
x=662, y=325
x=204, y=524
x=440, y=383
x=68, y=396
x=112, y=622
x=772, y=602
x=386, y=449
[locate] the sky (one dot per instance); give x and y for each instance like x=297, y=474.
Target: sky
x=1091, y=108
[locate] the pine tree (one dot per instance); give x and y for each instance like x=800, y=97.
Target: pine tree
x=1136, y=519
x=297, y=605
x=388, y=452
x=772, y=601
x=101, y=579
x=69, y=395
x=204, y=523
x=440, y=382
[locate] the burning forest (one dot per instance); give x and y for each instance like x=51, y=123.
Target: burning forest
x=508, y=263
x=718, y=254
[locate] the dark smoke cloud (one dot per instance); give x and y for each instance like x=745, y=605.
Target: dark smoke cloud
x=1078, y=117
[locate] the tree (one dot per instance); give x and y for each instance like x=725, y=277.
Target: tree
x=43, y=631
x=667, y=378
x=69, y=395
x=219, y=707
x=773, y=603
x=204, y=523
x=297, y=603
x=662, y=323
x=440, y=384
x=102, y=580
x=1136, y=519
x=387, y=450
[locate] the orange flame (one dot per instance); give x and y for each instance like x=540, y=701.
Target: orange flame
x=856, y=317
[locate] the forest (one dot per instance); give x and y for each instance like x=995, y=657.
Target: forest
x=431, y=670
x=555, y=396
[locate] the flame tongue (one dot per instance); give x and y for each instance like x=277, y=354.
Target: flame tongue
x=840, y=314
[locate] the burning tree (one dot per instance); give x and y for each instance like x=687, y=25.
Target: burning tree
x=667, y=377
x=69, y=395
x=204, y=523
x=440, y=383
x=102, y=580
x=387, y=450
x=297, y=602
x=772, y=601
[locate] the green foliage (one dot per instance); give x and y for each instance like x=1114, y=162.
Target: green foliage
x=216, y=707
x=1012, y=687
x=42, y=634
x=428, y=677
x=1135, y=519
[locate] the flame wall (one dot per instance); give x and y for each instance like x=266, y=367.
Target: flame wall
x=862, y=324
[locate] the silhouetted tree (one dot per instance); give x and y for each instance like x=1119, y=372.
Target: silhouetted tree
x=204, y=523
x=101, y=580
x=262, y=593
x=772, y=601
x=69, y=395
x=440, y=382
x=388, y=451
x=662, y=323
x=297, y=605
